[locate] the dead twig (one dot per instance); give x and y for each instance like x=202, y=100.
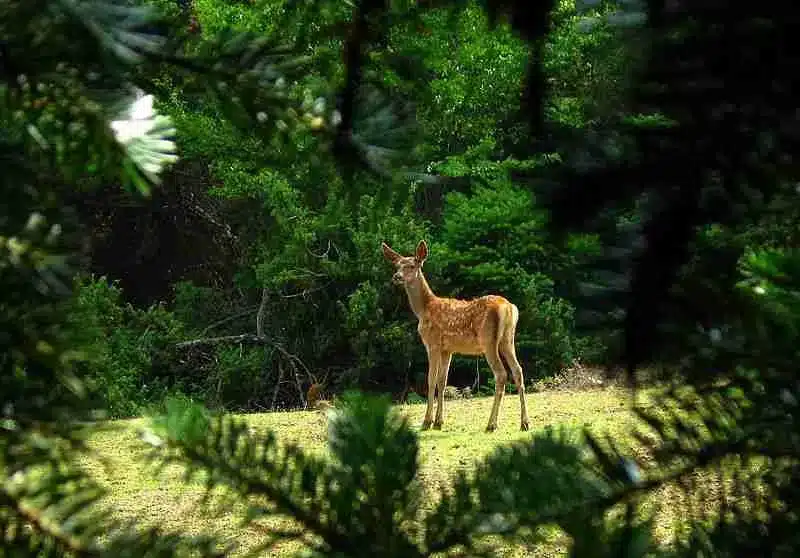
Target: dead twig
x=241, y=338
x=306, y=292
x=260, y=338
x=262, y=311
x=277, y=386
x=321, y=255
x=228, y=319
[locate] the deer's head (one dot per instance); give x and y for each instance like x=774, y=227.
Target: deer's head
x=407, y=268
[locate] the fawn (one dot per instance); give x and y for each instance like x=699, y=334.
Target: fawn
x=481, y=326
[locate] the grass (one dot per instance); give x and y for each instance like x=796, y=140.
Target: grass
x=136, y=492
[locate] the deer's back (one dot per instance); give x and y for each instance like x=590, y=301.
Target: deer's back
x=461, y=326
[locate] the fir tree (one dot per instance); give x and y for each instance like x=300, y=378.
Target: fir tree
x=75, y=111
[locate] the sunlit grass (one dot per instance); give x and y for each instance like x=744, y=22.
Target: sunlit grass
x=165, y=500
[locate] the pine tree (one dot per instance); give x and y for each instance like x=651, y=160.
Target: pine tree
x=75, y=112
x=710, y=151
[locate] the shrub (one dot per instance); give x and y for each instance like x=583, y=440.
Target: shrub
x=121, y=344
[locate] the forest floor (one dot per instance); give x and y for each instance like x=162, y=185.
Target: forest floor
x=136, y=491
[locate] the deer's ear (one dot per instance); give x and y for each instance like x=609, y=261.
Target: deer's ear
x=422, y=251
x=389, y=254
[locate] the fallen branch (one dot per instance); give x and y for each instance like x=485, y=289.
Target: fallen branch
x=224, y=321
x=306, y=292
x=277, y=386
x=259, y=338
x=241, y=338
x=262, y=312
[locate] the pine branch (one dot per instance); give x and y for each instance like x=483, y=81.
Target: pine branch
x=116, y=27
x=274, y=476
x=692, y=119
x=57, y=511
x=47, y=531
x=357, y=503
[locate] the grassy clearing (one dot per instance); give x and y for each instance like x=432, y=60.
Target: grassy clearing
x=167, y=501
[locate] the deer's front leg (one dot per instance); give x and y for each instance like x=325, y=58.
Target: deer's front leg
x=441, y=383
x=433, y=367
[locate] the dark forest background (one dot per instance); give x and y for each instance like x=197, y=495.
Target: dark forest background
x=192, y=204
x=242, y=224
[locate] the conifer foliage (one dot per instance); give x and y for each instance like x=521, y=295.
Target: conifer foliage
x=75, y=110
x=365, y=499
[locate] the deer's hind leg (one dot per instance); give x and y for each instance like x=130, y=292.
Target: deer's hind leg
x=510, y=356
x=500, y=379
x=441, y=383
x=491, y=344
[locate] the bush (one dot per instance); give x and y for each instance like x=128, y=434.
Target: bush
x=494, y=240
x=122, y=344
x=546, y=337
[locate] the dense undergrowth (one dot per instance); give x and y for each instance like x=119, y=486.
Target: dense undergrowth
x=192, y=218
x=240, y=219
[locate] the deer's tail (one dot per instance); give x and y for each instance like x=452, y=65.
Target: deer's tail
x=509, y=316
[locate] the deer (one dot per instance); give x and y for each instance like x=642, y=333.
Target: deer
x=481, y=326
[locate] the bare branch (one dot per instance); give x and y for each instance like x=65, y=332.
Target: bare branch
x=262, y=310
x=321, y=255
x=224, y=321
x=242, y=338
x=277, y=386
x=305, y=273
x=259, y=338
x=306, y=292
x=295, y=360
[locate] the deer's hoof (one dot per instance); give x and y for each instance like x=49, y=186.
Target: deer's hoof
x=524, y=426
x=426, y=424
x=491, y=428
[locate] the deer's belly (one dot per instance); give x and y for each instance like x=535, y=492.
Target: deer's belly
x=464, y=342
x=462, y=345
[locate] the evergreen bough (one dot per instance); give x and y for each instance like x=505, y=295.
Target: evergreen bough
x=74, y=111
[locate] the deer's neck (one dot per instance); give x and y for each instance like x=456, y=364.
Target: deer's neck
x=419, y=295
